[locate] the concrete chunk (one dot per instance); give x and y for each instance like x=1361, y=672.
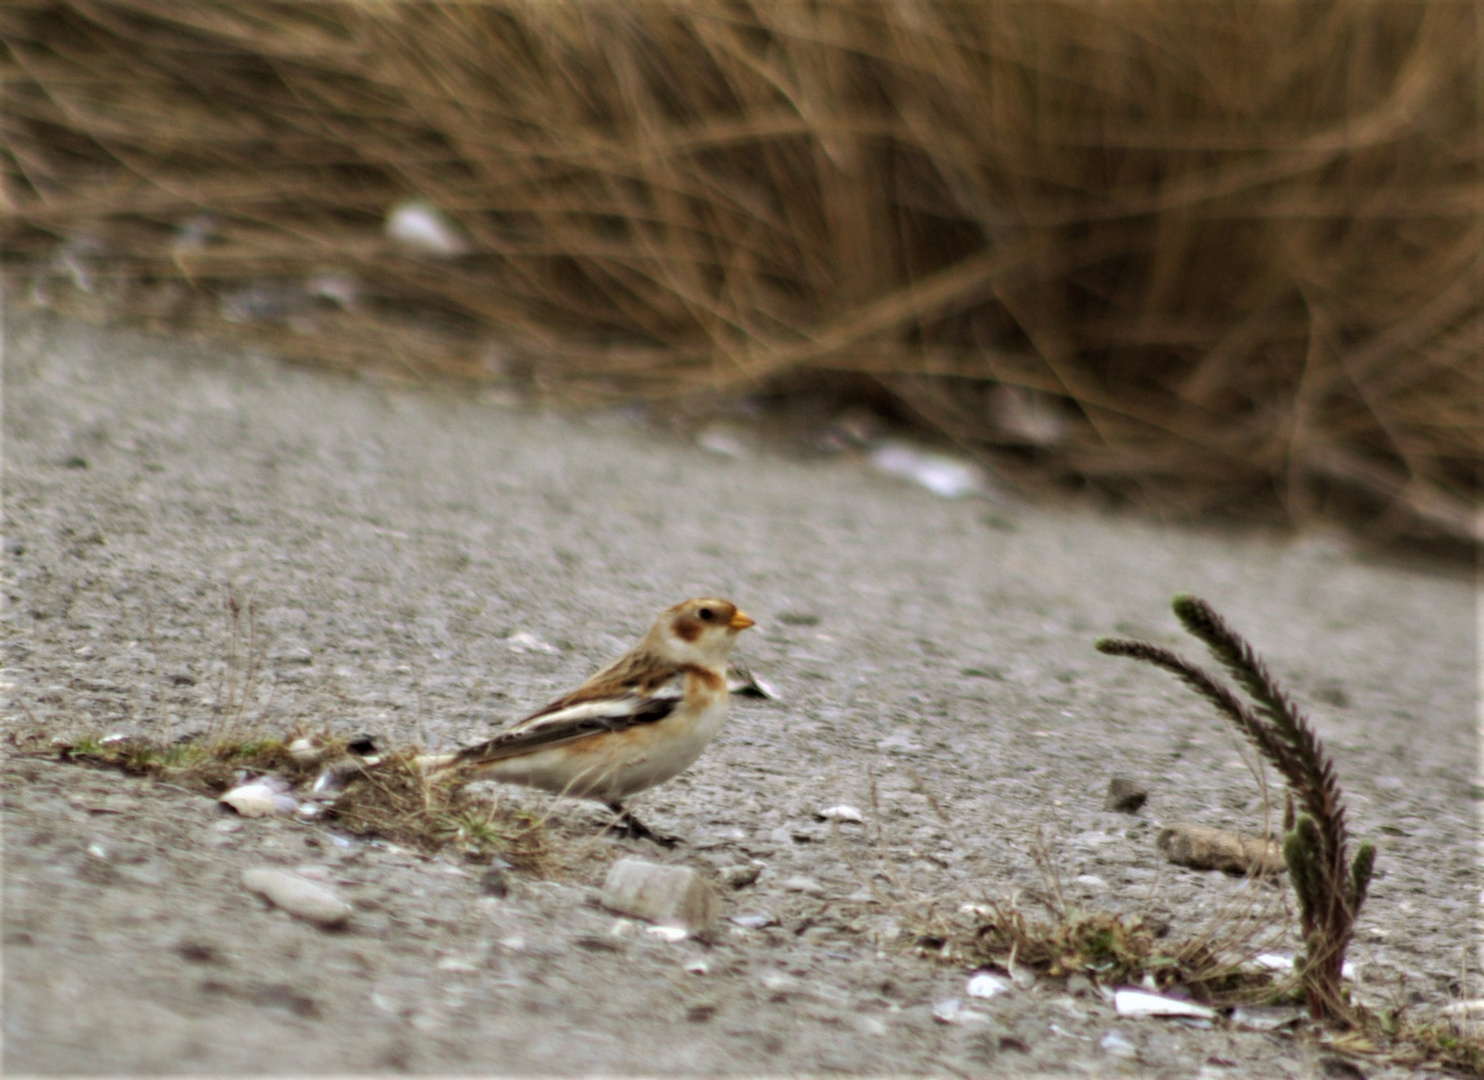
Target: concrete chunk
x=668, y=895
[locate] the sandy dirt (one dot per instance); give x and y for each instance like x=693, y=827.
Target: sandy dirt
x=394, y=542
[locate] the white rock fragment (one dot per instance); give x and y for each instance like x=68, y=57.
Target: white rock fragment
x=1142, y=1005
x=523, y=642
x=423, y=227
x=954, y=1011
x=453, y=963
x=986, y=984
x=259, y=798
x=841, y=813
x=1092, y=882
x=777, y=982
x=724, y=440
x=300, y=897
x=950, y=477
x=671, y=934
x=806, y=885
x=698, y=967
x=674, y=896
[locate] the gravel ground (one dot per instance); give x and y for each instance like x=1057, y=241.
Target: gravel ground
x=395, y=541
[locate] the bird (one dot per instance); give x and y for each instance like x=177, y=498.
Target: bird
x=638, y=722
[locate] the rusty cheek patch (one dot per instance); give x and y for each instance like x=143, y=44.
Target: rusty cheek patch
x=687, y=628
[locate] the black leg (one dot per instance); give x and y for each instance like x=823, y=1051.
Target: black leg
x=626, y=824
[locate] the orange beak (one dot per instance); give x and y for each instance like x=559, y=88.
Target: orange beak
x=741, y=620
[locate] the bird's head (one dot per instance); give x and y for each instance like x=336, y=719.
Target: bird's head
x=699, y=631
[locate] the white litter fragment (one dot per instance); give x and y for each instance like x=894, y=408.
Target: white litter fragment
x=1142, y=1004
x=672, y=934
x=300, y=897
x=841, y=813
x=950, y=477
x=453, y=963
x=776, y=981
x=986, y=984
x=259, y=799
x=523, y=642
x=422, y=226
x=116, y=737
x=697, y=967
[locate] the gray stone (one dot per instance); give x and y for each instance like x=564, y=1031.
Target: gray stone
x=669, y=895
x=739, y=876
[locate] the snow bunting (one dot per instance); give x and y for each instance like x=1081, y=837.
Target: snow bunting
x=641, y=720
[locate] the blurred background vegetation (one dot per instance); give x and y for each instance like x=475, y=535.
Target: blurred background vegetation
x=1217, y=256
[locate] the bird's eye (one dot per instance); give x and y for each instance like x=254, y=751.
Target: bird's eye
x=706, y=614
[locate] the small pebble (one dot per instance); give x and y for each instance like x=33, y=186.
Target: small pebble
x=672, y=934
x=754, y=922
x=1116, y=1044
x=300, y=897
x=806, y=885
x=1125, y=796
x=308, y=750
x=495, y=882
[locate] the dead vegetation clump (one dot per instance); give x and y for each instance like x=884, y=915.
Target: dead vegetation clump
x=208, y=766
x=1195, y=257
x=399, y=800
x=388, y=796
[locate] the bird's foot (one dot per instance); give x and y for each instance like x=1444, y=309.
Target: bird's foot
x=627, y=825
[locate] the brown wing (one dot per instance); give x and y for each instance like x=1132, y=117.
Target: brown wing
x=595, y=706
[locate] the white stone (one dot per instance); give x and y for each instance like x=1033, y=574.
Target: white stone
x=259, y=799
x=300, y=897
x=986, y=984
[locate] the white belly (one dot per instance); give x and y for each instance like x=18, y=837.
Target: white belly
x=612, y=767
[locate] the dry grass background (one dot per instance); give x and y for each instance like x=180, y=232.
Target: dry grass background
x=1212, y=255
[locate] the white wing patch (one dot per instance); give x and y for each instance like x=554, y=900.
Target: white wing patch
x=582, y=718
